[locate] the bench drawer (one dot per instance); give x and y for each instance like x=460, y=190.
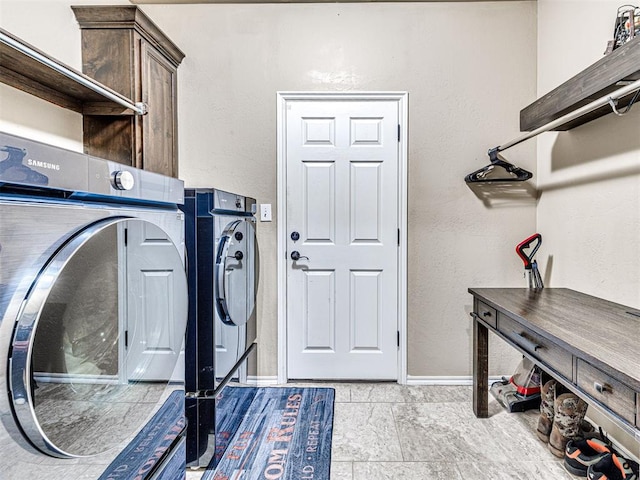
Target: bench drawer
x=486, y=313
x=538, y=347
x=617, y=396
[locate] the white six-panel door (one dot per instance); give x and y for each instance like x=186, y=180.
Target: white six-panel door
x=156, y=303
x=342, y=194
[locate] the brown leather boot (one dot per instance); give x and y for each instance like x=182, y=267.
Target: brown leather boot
x=545, y=422
x=569, y=413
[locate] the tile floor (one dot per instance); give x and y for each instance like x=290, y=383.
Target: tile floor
x=388, y=431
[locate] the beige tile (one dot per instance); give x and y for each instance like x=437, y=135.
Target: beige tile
x=364, y=432
x=406, y=471
x=343, y=392
x=447, y=393
x=194, y=474
x=531, y=470
x=386, y=393
x=341, y=471
x=433, y=429
x=440, y=432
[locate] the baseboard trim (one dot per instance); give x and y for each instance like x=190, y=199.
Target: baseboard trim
x=438, y=380
x=262, y=381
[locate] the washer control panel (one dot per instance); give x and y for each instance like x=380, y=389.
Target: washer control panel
x=122, y=180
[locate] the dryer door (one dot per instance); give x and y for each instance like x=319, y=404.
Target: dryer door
x=236, y=273
x=90, y=335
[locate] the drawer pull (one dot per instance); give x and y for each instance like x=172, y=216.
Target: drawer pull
x=525, y=342
x=602, y=387
x=486, y=314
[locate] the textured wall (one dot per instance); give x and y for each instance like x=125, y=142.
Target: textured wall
x=468, y=67
x=589, y=210
x=466, y=86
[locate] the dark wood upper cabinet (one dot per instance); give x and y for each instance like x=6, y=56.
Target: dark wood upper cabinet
x=123, y=48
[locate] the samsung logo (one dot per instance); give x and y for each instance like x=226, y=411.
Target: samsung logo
x=40, y=164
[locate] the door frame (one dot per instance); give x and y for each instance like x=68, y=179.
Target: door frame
x=283, y=99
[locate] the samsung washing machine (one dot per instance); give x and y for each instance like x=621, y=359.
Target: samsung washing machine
x=222, y=255
x=93, y=307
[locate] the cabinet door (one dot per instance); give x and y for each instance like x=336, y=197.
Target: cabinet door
x=125, y=50
x=158, y=81
x=107, y=56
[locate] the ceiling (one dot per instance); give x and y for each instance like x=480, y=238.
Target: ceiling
x=178, y=2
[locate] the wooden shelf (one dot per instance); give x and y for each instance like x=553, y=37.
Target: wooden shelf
x=606, y=75
x=30, y=75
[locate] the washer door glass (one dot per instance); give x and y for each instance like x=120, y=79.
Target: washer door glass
x=236, y=275
x=98, y=338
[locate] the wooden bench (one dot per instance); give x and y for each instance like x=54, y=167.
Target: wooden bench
x=591, y=345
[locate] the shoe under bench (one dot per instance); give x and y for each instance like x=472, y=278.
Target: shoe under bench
x=589, y=344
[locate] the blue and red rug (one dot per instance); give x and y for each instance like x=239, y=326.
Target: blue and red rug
x=284, y=434
x=140, y=459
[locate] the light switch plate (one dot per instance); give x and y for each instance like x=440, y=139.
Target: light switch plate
x=265, y=212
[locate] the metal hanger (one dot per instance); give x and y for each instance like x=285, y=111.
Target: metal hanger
x=516, y=174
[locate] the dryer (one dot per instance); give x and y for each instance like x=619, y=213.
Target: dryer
x=93, y=306
x=222, y=254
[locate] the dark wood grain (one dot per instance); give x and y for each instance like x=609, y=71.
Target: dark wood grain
x=45, y=92
x=480, y=370
x=583, y=341
x=617, y=396
x=602, y=333
x=601, y=78
x=486, y=313
x=34, y=77
x=128, y=17
x=160, y=135
x=547, y=351
x=122, y=47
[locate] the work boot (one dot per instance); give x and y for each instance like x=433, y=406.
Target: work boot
x=568, y=415
x=545, y=422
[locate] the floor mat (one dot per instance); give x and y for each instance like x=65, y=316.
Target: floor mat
x=142, y=454
x=285, y=434
x=231, y=406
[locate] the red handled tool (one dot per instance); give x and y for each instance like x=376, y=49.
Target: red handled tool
x=526, y=250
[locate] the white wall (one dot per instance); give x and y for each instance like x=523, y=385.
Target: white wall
x=589, y=210
x=468, y=67
x=50, y=26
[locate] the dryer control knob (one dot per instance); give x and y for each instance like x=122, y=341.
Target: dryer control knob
x=122, y=180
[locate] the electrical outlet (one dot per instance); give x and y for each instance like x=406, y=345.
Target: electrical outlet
x=265, y=212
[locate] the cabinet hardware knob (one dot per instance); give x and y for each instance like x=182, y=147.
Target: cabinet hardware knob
x=526, y=343
x=602, y=387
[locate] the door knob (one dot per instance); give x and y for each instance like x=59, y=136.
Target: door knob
x=238, y=255
x=295, y=255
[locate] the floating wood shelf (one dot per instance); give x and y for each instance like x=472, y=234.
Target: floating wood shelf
x=56, y=85
x=613, y=71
